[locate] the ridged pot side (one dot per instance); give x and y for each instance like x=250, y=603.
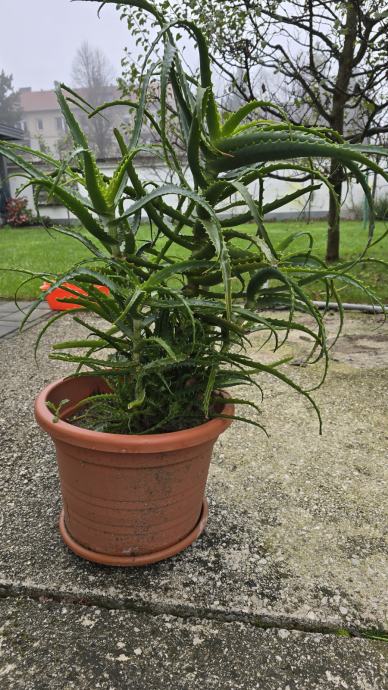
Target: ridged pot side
x=128, y=499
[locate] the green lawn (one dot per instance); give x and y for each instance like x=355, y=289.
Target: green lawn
x=38, y=249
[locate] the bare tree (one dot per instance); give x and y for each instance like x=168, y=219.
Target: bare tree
x=328, y=60
x=93, y=74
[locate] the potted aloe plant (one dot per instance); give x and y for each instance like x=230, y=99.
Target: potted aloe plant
x=186, y=286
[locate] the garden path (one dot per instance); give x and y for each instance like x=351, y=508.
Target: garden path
x=11, y=316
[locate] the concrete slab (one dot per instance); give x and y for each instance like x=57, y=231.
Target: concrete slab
x=9, y=305
x=14, y=316
x=297, y=534
x=11, y=317
x=58, y=646
x=6, y=328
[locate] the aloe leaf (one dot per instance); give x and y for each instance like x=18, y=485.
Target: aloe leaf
x=47, y=325
x=76, y=207
x=167, y=65
x=30, y=311
x=368, y=194
x=105, y=337
x=241, y=150
x=156, y=340
x=214, y=231
x=239, y=418
x=314, y=172
x=76, y=95
x=142, y=105
x=235, y=118
x=93, y=178
x=8, y=151
x=294, y=236
x=212, y=116
x=194, y=140
x=159, y=192
x=92, y=362
x=285, y=379
x=78, y=344
x=83, y=275
x=178, y=268
x=265, y=244
x=238, y=401
x=188, y=193
x=80, y=238
x=76, y=132
x=369, y=148
x=209, y=389
x=288, y=198
x=40, y=155
x=183, y=110
x=130, y=104
x=119, y=178
x=294, y=288
x=148, y=115
x=185, y=304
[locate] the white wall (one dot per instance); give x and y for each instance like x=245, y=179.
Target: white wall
x=319, y=202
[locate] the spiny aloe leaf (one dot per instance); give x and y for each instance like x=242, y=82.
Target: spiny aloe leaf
x=292, y=237
x=119, y=179
x=174, y=189
x=241, y=150
x=194, y=140
x=76, y=207
x=9, y=152
x=80, y=238
x=156, y=340
x=47, y=325
x=266, y=244
x=170, y=52
x=142, y=106
x=93, y=178
x=235, y=118
x=288, y=198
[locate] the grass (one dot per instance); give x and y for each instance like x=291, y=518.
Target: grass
x=40, y=250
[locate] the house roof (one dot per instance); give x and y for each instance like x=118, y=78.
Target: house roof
x=38, y=101
x=35, y=101
x=7, y=132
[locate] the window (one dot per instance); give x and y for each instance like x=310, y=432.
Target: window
x=39, y=124
x=60, y=124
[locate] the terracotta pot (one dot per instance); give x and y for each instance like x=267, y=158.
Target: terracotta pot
x=128, y=499
x=59, y=293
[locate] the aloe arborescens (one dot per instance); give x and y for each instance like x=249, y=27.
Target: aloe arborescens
x=185, y=296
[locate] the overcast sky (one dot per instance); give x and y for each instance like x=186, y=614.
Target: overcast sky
x=39, y=38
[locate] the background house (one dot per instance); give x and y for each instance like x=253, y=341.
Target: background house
x=45, y=129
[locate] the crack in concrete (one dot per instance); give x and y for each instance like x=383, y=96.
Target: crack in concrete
x=264, y=622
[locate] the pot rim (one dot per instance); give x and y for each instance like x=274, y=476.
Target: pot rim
x=136, y=443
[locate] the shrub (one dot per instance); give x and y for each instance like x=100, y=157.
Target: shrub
x=16, y=213
x=381, y=207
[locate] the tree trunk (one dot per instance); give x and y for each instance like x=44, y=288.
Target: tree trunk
x=337, y=117
x=333, y=231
